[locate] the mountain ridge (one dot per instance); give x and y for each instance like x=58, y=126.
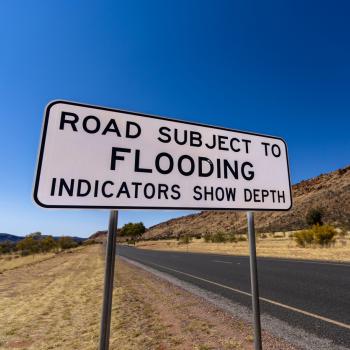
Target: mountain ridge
x=14, y=239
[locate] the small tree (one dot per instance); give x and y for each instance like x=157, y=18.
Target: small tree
x=7, y=247
x=134, y=230
x=47, y=244
x=186, y=239
x=65, y=242
x=219, y=237
x=207, y=237
x=29, y=245
x=314, y=216
x=35, y=235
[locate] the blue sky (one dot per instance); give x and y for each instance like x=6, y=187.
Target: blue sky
x=275, y=67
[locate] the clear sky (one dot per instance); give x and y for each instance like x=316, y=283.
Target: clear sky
x=275, y=67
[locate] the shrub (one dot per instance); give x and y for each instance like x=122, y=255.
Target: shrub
x=207, y=237
x=90, y=242
x=304, y=238
x=7, y=247
x=232, y=238
x=47, y=244
x=317, y=235
x=25, y=252
x=30, y=244
x=314, y=216
x=131, y=241
x=65, y=242
x=185, y=239
x=219, y=237
x=324, y=235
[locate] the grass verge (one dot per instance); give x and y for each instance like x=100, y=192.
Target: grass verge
x=56, y=304
x=267, y=247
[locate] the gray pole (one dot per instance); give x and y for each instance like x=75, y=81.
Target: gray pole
x=109, y=276
x=254, y=282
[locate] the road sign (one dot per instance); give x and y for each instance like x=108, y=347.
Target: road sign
x=94, y=157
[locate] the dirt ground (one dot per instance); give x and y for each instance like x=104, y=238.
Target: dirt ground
x=56, y=304
x=267, y=247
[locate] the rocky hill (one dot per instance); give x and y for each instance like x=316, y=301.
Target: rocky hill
x=98, y=236
x=331, y=192
x=101, y=236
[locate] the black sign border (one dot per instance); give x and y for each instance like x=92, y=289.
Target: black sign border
x=42, y=147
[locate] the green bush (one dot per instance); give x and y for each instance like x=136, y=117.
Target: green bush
x=324, y=235
x=319, y=235
x=186, y=239
x=304, y=238
x=65, y=242
x=134, y=230
x=207, y=237
x=219, y=237
x=231, y=237
x=47, y=244
x=314, y=216
x=131, y=241
x=90, y=242
x=25, y=252
x=30, y=244
x=7, y=247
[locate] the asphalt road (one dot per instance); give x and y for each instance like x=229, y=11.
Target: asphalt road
x=310, y=295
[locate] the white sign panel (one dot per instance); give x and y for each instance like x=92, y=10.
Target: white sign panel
x=94, y=157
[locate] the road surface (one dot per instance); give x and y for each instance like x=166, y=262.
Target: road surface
x=311, y=295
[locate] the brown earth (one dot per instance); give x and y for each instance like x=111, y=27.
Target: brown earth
x=331, y=192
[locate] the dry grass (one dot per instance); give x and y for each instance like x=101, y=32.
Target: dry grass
x=12, y=261
x=53, y=304
x=56, y=304
x=268, y=247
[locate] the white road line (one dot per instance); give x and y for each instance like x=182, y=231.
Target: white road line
x=222, y=262
x=310, y=314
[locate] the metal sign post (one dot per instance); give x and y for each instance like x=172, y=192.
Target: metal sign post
x=109, y=277
x=254, y=282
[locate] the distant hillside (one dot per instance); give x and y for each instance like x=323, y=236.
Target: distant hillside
x=10, y=238
x=329, y=191
x=98, y=236
x=101, y=236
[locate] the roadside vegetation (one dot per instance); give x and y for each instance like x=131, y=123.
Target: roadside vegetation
x=36, y=243
x=132, y=232
x=318, y=242
x=34, y=248
x=318, y=235
x=56, y=304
